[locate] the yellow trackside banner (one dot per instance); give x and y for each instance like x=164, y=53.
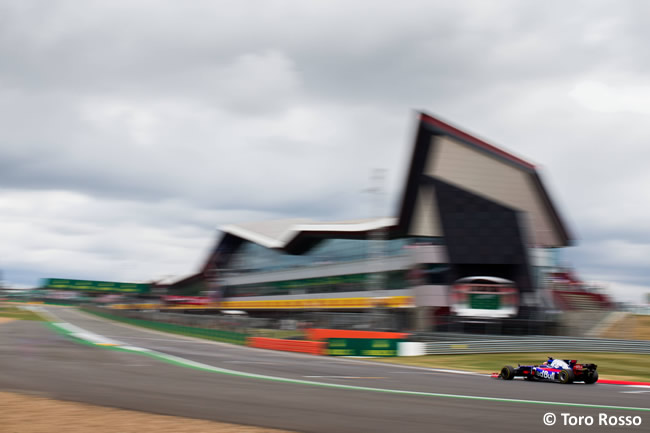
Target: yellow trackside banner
x=327, y=303
x=286, y=304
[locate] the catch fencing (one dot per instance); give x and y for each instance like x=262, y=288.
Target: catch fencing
x=217, y=331
x=545, y=344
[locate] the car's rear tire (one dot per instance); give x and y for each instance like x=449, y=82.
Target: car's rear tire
x=507, y=373
x=591, y=377
x=565, y=376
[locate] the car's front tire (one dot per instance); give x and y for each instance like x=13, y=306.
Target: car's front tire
x=507, y=373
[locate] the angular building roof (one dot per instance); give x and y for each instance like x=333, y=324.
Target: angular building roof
x=441, y=153
x=445, y=153
x=281, y=233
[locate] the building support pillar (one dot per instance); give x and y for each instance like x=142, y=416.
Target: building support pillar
x=422, y=319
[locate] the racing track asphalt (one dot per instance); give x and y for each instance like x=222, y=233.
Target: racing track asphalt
x=34, y=358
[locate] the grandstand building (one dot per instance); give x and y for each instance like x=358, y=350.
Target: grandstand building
x=467, y=209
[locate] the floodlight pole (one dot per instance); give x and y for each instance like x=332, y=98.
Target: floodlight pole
x=375, y=241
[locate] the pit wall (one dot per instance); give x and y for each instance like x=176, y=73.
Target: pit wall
x=360, y=347
x=334, y=342
x=343, y=343
x=326, y=334
x=190, y=331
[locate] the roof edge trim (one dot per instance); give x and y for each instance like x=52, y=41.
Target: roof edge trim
x=441, y=126
x=379, y=223
x=252, y=236
x=294, y=231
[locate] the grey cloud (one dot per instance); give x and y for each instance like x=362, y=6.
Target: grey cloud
x=178, y=118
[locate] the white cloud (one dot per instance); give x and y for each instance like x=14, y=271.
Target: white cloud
x=622, y=98
x=140, y=123
x=256, y=83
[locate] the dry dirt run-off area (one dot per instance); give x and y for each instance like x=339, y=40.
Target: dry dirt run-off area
x=21, y=413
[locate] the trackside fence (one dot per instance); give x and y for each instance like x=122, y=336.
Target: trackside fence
x=209, y=328
x=242, y=331
x=536, y=344
x=207, y=333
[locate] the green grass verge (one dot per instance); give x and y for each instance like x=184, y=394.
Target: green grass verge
x=621, y=366
x=19, y=314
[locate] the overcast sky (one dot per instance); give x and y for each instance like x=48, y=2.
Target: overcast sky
x=130, y=130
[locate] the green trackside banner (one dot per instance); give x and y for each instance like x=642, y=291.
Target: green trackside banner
x=94, y=286
x=362, y=347
x=484, y=301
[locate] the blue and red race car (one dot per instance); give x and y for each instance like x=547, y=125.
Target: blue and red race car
x=554, y=370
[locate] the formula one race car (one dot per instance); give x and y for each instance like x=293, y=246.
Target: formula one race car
x=553, y=370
